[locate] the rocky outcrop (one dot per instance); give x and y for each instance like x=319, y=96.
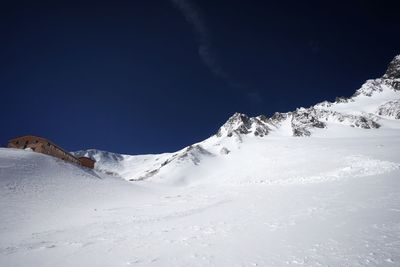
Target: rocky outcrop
x=393, y=70
x=370, y=87
x=279, y=117
x=240, y=124
x=390, y=109
x=303, y=120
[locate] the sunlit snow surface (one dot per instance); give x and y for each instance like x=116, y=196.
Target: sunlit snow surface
x=251, y=195
x=272, y=201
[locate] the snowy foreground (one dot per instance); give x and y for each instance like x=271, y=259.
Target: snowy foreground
x=318, y=186
x=318, y=201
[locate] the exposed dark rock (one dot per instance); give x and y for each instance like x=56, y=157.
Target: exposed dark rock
x=341, y=99
x=240, y=124
x=303, y=120
x=278, y=117
x=393, y=71
x=390, y=109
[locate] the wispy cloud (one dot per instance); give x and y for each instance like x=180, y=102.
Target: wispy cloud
x=254, y=97
x=193, y=16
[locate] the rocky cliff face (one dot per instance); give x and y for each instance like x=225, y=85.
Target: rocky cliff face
x=393, y=70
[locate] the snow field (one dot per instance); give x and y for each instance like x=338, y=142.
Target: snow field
x=320, y=202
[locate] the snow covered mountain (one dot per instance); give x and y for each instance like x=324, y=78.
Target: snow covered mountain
x=374, y=109
x=317, y=186
x=375, y=103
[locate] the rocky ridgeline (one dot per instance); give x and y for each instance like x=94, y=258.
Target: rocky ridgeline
x=242, y=124
x=304, y=120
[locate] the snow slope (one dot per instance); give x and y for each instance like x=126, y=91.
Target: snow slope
x=329, y=202
x=318, y=186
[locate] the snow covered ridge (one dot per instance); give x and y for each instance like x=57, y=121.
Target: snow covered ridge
x=376, y=99
x=142, y=167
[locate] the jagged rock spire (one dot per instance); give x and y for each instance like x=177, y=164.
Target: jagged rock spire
x=393, y=71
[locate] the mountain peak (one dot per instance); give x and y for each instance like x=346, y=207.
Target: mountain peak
x=239, y=117
x=356, y=111
x=240, y=123
x=393, y=70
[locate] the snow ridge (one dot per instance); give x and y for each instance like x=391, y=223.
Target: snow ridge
x=344, y=111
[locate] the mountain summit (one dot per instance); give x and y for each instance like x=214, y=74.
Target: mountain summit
x=393, y=71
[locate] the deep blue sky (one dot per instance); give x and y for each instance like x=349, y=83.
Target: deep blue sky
x=127, y=76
